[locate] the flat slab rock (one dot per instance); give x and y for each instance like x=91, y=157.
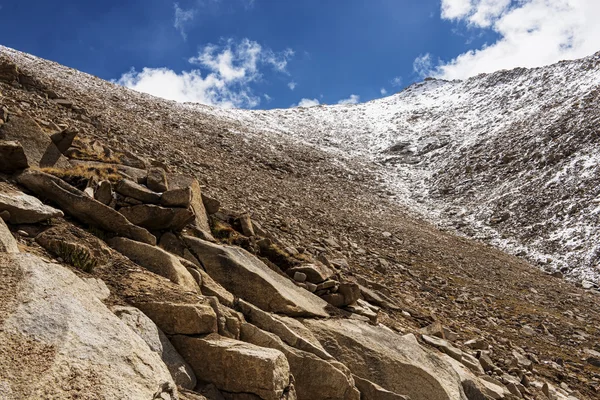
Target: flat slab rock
x=237, y=367
x=247, y=277
x=154, y=217
x=67, y=340
x=23, y=208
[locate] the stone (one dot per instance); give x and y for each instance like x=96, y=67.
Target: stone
x=472, y=363
x=8, y=244
x=177, y=198
x=477, y=344
x=486, y=362
x=155, y=260
x=136, y=191
x=378, y=298
x=87, y=210
x=104, y=192
x=435, y=329
x=72, y=343
x=154, y=217
x=246, y=225
x=24, y=209
x=181, y=319
x=394, y=362
x=211, y=288
x=64, y=139
x=521, y=360
x=211, y=205
x=12, y=156
x=513, y=389
x=315, y=273
x=443, y=346
x=247, y=277
x=37, y=146
x=350, y=291
x=372, y=391
x=236, y=367
x=157, y=180
x=299, y=276
x=475, y=388
x=200, y=221
x=299, y=338
x=98, y=287
x=314, y=378
x=137, y=321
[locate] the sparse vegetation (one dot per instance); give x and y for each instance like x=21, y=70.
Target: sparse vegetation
x=79, y=175
x=77, y=256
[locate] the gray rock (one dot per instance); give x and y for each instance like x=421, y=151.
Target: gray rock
x=24, y=209
x=74, y=202
x=247, y=277
x=136, y=191
x=8, y=244
x=200, y=221
x=372, y=391
x=177, y=198
x=246, y=224
x=315, y=273
x=12, y=156
x=211, y=205
x=155, y=260
x=236, y=367
x=444, y=346
x=154, y=217
x=63, y=140
x=157, y=180
x=181, y=319
x=104, y=192
x=143, y=326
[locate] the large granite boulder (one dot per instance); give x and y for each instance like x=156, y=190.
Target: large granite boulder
x=396, y=363
x=157, y=218
x=59, y=342
x=247, y=277
x=81, y=206
x=24, y=209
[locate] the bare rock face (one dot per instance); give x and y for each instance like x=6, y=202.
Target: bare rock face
x=247, y=277
x=177, y=198
x=155, y=260
x=157, y=180
x=24, y=209
x=315, y=378
x=236, y=367
x=8, y=244
x=69, y=341
x=181, y=319
x=372, y=391
x=396, y=363
x=79, y=205
x=38, y=147
x=12, y=156
x=158, y=218
x=138, y=322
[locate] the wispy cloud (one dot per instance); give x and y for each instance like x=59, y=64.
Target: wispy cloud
x=383, y=91
x=182, y=19
x=397, y=81
x=292, y=85
x=353, y=99
x=223, y=76
x=422, y=65
x=307, y=103
x=531, y=33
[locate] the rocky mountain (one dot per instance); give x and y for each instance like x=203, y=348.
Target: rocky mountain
x=150, y=249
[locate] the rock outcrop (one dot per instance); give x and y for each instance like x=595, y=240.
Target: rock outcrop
x=24, y=209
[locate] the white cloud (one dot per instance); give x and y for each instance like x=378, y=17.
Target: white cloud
x=267, y=97
x=383, y=91
x=182, y=18
x=422, y=65
x=292, y=85
x=229, y=70
x=397, y=81
x=308, y=103
x=531, y=33
x=353, y=99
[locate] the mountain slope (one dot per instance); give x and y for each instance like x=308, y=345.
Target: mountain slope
x=509, y=157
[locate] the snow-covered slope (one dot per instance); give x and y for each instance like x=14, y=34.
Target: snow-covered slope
x=510, y=157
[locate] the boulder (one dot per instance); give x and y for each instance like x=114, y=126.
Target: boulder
x=444, y=346
x=475, y=388
x=211, y=205
x=155, y=260
x=24, y=209
x=372, y=391
x=58, y=342
x=171, y=243
x=197, y=205
x=104, y=193
x=246, y=225
x=12, y=156
x=38, y=147
x=247, y=277
x=209, y=287
x=136, y=191
x=157, y=218
x=8, y=244
x=396, y=363
x=157, y=180
x=279, y=326
x=314, y=378
x=177, y=198
x=64, y=139
x=236, y=367
x=76, y=203
x=315, y=273
x=158, y=342
x=181, y=319
x=229, y=321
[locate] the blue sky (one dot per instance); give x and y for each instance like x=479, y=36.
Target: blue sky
x=279, y=53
